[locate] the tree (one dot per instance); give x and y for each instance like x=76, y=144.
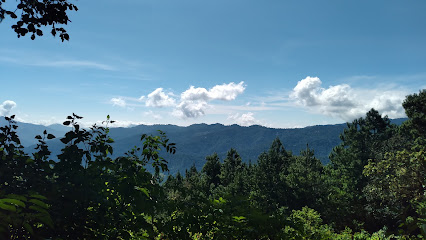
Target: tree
x=211, y=171
x=415, y=108
x=304, y=179
x=363, y=139
x=31, y=15
x=271, y=191
x=396, y=188
x=397, y=183
x=232, y=165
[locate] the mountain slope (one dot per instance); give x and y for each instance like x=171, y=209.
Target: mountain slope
x=197, y=141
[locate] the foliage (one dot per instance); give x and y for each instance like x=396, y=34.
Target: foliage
x=363, y=140
x=23, y=216
x=32, y=15
x=306, y=224
x=91, y=195
x=304, y=179
x=270, y=191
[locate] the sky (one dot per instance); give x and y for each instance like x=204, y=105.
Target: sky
x=275, y=63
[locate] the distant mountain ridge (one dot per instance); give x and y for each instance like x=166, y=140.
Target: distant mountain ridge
x=197, y=141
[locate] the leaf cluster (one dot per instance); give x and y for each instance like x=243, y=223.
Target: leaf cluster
x=31, y=15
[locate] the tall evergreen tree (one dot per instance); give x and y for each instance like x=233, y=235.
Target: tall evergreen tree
x=231, y=166
x=304, y=178
x=211, y=169
x=362, y=140
x=271, y=191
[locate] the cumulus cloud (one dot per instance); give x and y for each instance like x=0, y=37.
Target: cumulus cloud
x=158, y=98
x=194, y=101
x=226, y=92
x=6, y=107
x=195, y=94
x=190, y=109
x=118, y=102
x=345, y=102
x=191, y=103
x=246, y=119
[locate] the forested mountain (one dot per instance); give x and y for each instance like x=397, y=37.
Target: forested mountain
x=373, y=187
x=197, y=141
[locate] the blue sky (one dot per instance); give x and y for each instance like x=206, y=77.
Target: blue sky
x=274, y=63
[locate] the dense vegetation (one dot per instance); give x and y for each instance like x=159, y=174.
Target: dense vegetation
x=373, y=188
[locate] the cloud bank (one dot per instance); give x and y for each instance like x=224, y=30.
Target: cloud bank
x=246, y=119
x=6, y=107
x=345, y=102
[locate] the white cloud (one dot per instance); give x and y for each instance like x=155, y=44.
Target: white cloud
x=345, y=102
x=127, y=124
x=226, y=92
x=306, y=91
x=120, y=102
x=6, y=107
x=190, y=109
x=246, y=119
x=194, y=101
x=159, y=99
x=390, y=103
x=195, y=94
x=116, y=124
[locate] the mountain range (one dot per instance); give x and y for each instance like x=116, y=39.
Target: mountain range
x=197, y=141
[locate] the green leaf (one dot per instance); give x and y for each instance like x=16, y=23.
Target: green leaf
x=39, y=203
x=7, y=207
x=238, y=218
x=38, y=209
x=38, y=196
x=13, y=201
x=15, y=196
x=144, y=190
x=50, y=136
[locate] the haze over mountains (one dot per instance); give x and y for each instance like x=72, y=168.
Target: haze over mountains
x=197, y=141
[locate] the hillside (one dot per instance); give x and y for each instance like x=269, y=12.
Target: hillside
x=197, y=141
